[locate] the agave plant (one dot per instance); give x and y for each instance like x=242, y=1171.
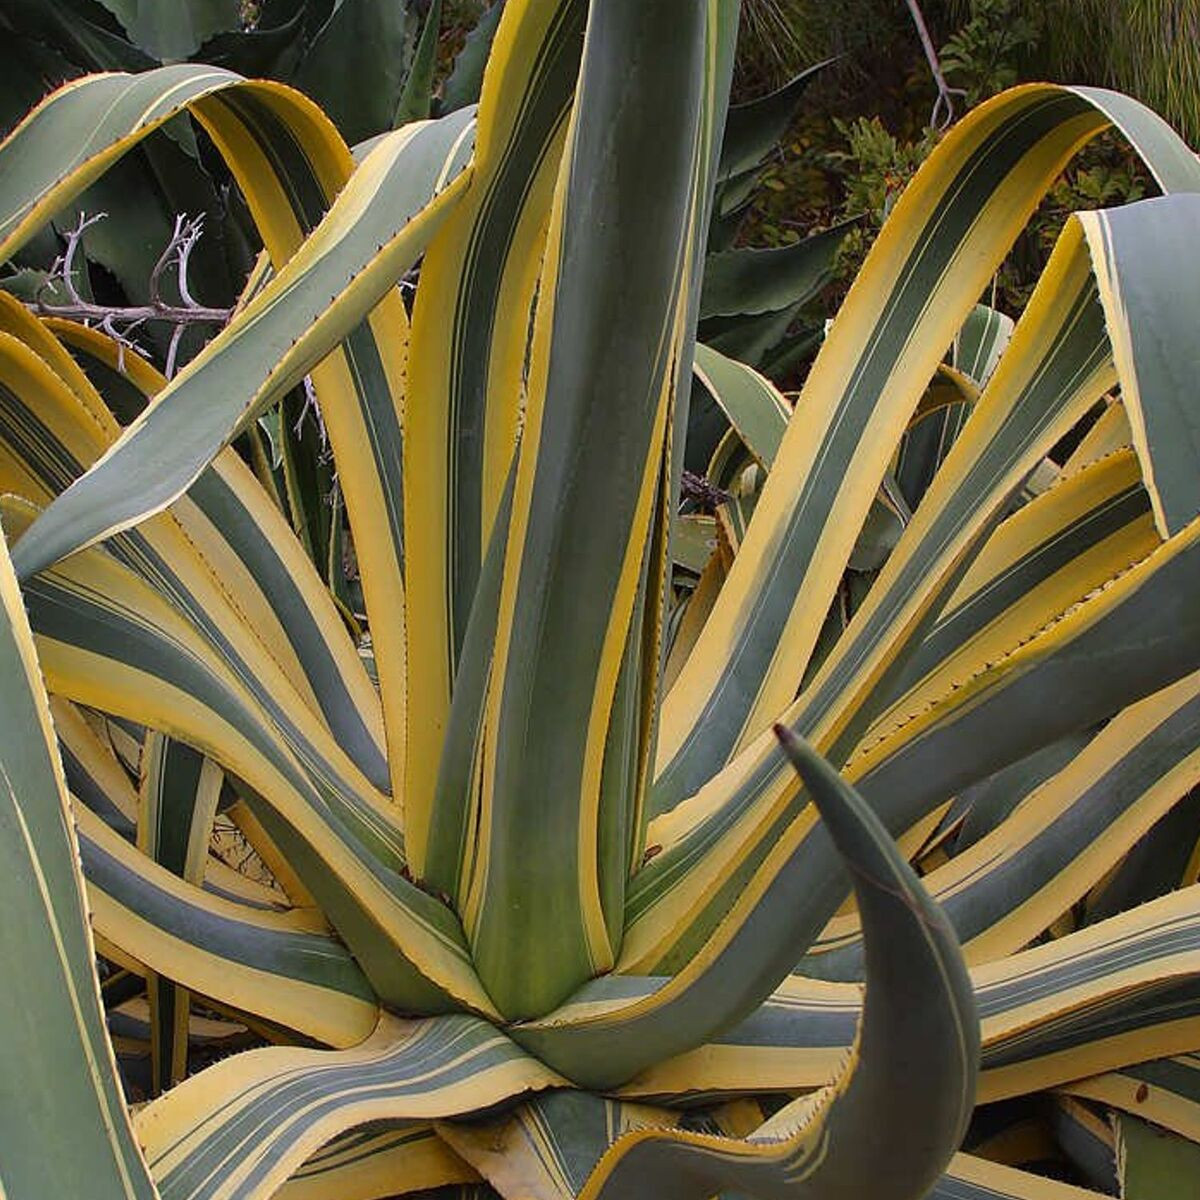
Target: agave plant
x=308, y=43
x=532, y=898
x=118, y=249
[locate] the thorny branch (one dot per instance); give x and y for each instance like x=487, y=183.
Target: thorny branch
x=119, y=321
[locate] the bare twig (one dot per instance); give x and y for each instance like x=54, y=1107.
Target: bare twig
x=187, y=234
x=310, y=405
x=172, y=350
x=63, y=266
x=119, y=321
x=942, y=116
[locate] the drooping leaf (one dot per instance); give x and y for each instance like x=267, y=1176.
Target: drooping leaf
x=768, y=616
x=1152, y=345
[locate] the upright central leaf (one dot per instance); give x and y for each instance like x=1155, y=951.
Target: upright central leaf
x=557, y=787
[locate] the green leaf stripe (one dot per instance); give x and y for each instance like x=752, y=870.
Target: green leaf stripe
x=936, y=259
x=244, y=957
x=1004, y=712
x=63, y=1113
x=92, y=606
x=1128, y=776
x=570, y=583
x=265, y=1112
x=751, y=402
x=467, y=363
x=375, y=229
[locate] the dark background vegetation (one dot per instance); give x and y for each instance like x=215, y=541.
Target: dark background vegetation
x=864, y=127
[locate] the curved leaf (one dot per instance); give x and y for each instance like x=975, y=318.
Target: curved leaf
x=376, y=228
x=946, y=236
x=366, y=1163
x=1066, y=835
x=250, y=959
x=64, y=1119
x=240, y=1129
x=918, y=1010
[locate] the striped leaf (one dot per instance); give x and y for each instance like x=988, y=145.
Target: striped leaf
x=911, y=298
x=1065, y=836
x=94, y=774
x=712, y=846
x=971, y=1178
x=614, y=1027
x=232, y=524
x=466, y=376
x=947, y=402
x=597, y=877
x=254, y=960
x=1111, y=995
x=752, y=403
x=92, y=610
x=1129, y=246
x=61, y=1108
x=1110, y=433
x=549, y=1145
x=52, y=432
x=1165, y=1091
x=243, y=1126
x=179, y=793
x=1163, y=859
x=372, y=233
x=834, y=1141
x=603, y=371
x=290, y=163
x=366, y=1164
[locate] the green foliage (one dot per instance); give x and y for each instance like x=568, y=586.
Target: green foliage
x=988, y=52
x=855, y=165
x=876, y=167
x=779, y=37
x=1150, y=48
x=1104, y=175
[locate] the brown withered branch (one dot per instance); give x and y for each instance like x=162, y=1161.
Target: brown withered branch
x=119, y=321
x=705, y=495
